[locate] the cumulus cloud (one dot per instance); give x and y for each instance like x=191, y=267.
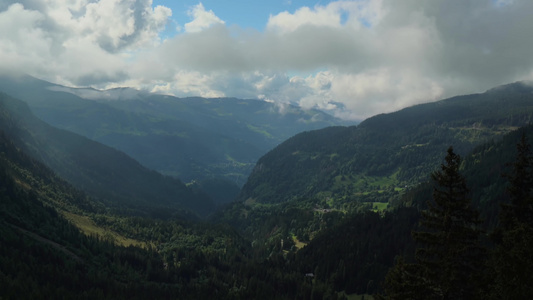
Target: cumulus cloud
x=202, y=19
x=336, y=15
x=351, y=58
x=79, y=41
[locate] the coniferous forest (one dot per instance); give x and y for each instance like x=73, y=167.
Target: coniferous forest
x=441, y=207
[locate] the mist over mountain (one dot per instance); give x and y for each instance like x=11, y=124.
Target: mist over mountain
x=188, y=138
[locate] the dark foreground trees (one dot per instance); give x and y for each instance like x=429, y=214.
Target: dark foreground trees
x=450, y=262
x=449, y=258
x=512, y=258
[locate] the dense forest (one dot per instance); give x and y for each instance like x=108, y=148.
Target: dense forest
x=461, y=230
x=388, y=151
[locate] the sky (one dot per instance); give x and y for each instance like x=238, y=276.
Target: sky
x=353, y=59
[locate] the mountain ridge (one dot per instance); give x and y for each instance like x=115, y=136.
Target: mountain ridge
x=387, y=151
x=189, y=138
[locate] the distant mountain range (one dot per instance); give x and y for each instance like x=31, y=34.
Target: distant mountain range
x=189, y=138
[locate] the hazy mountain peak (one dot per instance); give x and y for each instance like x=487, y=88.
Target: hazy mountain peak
x=191, y=138
x=114, y=94
x=517, y=87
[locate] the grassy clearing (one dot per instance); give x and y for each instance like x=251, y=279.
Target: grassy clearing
x=221, y=112
x=88, y=227
x=299, y=244
x=236, y=163
x=379, y=206
x=252, y=203
x=259, y=130
x=361, y=184
x=333, y=156
x=479, y=132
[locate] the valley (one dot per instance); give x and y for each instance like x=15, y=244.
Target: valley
x=327, y=211
x=192, y=139
x=269, y=150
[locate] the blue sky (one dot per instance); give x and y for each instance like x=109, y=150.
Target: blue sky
x=246, y=14
x=351, y=58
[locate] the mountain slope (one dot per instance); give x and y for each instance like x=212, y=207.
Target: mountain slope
x=188, y=138
x=107, y=174
x=352, y=252
x=482, y=168
x=388, y=152
x=44, y=256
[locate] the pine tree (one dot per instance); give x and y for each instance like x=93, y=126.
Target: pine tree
x=520, y=208
x=450, y=252
x=449, y=259
x=512, y=258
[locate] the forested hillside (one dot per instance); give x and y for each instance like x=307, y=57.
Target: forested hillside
x=58, y=241
x=353, y=251
x=386, y=153
x=105, y=173
x=44, y=256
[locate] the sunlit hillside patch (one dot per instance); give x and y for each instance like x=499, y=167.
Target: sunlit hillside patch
x=88, y=227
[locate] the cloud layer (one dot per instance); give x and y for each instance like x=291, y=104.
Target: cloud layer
x=353, y=58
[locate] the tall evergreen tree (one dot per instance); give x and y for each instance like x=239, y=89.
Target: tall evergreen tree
x=512, y=258
x=449, y=258
x=520, y=208
x=450, y=251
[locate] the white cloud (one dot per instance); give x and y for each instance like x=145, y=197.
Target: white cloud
x=383, y=90
x=21, y=38
x=356, y=14
x=78, y=42
x=202, y=19
x=353, y=58
x=287, y=22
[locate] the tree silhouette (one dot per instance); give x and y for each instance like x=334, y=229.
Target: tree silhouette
x=512, y=259
x=520, y=208
x=449, y=258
